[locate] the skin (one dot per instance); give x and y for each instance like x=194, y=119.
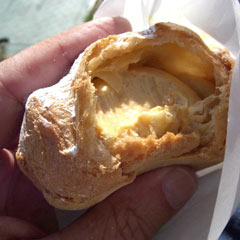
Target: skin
x=136, y=211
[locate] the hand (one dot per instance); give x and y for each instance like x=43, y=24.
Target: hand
x=134, y=212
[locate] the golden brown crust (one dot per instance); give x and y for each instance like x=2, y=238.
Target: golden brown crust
x=75, y=165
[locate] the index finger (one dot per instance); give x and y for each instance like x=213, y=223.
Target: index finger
x=43, y=65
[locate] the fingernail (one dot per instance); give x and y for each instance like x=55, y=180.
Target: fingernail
x=178, y=187
x=122, y=24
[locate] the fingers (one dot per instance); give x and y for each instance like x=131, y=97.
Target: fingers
x=6, y=175
x=43, y=65
x=13, y=228
x=138, y=210
x=19, y=198
x=11, y=115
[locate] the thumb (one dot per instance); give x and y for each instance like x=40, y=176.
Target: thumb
x=138, y=210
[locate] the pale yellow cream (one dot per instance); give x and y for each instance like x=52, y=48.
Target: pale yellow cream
x=140, y=102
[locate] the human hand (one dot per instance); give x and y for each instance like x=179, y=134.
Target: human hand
x=134, y=212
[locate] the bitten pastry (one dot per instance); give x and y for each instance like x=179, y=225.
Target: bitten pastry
x=131, y=103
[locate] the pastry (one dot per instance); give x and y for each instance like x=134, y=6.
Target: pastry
x=131, y=103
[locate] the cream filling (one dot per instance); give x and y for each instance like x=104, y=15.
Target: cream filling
x=140, y=102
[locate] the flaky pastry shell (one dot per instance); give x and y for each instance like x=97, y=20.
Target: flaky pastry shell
x=131, y=103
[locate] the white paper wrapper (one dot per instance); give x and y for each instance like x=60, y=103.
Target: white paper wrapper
x=206, y=215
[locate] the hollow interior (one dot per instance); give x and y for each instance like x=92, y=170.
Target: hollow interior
x=152, y=91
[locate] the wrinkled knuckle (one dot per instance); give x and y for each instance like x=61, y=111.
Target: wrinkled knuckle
x=130, y=226
x=60, y=47
x=62, y=51
x=104, y=30
x=135, y=226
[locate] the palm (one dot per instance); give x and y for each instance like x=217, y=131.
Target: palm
x=19, y=198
